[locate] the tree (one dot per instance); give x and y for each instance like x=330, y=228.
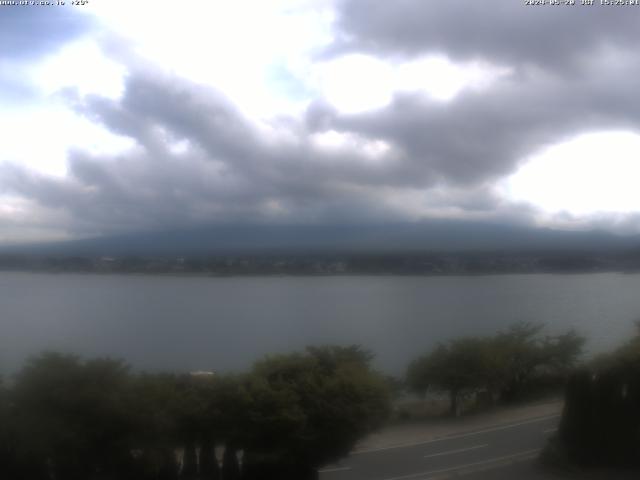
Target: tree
x=523, y=352
x=8, y=458
x=209, y=468
x=600, y=424
x=156, y=408
x=18, y=459
x=503, y=364
x=71, y=415
x=230, y=465
x=74, y=419
x=308, y=409
x=563, y=351
x=459, y=367
x=628, y=354
x=225, y=422
x=193, y=394
x=520, y=354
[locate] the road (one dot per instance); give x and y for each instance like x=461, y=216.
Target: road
x=495, y=452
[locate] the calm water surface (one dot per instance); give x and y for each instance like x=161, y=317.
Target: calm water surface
x=225, y=324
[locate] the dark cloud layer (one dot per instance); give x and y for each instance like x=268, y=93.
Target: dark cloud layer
x=484, y=136
x=506, y=32
x=573, y=70
x=199, y=160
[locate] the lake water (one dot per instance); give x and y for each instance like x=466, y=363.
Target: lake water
x=224, y=324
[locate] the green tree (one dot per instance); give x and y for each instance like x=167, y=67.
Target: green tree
x=225, y=421
x=628, y=354
x=193, y=393
x=520, y=352
x=157, y=410
x=460, y=367
x=502, y=365
x=308, y=409
x=71, y=415
x=523, y=353
x=600, y=424
x=8, y=458
x=562, y=352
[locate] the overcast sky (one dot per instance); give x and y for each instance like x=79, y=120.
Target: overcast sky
x=121, y=116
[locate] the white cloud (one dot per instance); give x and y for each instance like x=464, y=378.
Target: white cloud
x=81, y=66
x=233, y=46
x=590, y=174
x=443, y=79
x=332, y=141
x=27, y=221
x=40, y=137
x=358, y=83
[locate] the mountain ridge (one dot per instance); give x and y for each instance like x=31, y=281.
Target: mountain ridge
x=429, y=236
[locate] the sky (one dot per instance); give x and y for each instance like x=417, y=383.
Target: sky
x=121, y=117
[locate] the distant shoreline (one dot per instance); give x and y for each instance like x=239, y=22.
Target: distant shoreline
x=334, y=263
x=315, y=275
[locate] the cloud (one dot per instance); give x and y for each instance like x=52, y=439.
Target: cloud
x=14, y=90
x=199, y=159
x=27, y=32
x=482, y=136
x=548, y=36
x=572, y=71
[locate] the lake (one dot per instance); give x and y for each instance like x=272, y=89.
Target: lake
x=224, y=324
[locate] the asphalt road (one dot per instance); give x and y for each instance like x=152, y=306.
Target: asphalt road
x=495, y=452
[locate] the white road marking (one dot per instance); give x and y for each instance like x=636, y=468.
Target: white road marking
x=493, y=428
x=520, y=456
x=336, y=469
x=460, y=450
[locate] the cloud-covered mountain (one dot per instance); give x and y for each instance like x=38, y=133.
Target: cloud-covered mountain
x=399, y=238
